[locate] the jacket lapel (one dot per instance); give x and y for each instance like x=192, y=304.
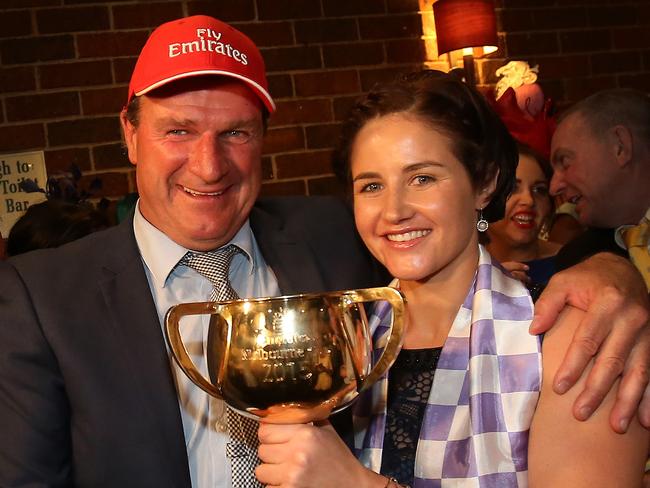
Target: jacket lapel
x=133, y=314
x=292, y=260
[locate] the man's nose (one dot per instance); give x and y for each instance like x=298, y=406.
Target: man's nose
x=209, y=160
x=557, y=185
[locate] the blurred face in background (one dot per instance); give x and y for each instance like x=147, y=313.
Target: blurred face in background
x=586, y=172
x=527, y=208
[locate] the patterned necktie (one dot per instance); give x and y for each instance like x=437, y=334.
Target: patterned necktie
x=243, y=444
x=637, y=239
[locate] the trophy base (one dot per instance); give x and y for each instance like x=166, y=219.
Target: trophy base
x=301, y=413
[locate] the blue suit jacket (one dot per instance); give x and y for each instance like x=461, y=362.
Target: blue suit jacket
x=86, y=393
x=590, y=242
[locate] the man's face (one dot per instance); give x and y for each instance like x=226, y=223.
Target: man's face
x=197, y=150
x=585, y=170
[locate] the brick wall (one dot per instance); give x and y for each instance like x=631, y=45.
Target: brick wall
x=581, y=46
x=65, y=66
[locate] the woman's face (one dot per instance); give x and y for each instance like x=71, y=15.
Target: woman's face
x=414, y=204
x=528, y=206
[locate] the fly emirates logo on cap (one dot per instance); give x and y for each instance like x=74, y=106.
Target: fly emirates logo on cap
x=208, y=40
x=199, y=46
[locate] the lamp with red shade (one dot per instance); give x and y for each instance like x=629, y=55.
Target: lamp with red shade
x=466, y=24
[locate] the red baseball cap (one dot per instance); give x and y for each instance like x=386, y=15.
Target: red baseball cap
x=199, y=45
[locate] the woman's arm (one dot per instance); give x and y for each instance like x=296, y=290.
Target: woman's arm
x=566, y=452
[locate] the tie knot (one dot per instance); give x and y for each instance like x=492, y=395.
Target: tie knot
x=638, y=235
x=214, y=265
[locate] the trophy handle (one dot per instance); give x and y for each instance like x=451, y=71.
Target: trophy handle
x=177, y=347
x=396, y=300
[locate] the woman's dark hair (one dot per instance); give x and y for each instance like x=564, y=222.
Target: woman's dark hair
x=542, y=162
x=480, y=140
x=53, y=223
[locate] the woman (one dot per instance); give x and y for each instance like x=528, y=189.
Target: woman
x=426, y=159
x=514, y=240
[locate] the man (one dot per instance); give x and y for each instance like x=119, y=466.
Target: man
x=87, y=394
x=601, y=161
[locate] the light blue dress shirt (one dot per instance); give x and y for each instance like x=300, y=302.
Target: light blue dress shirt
x=204, y=419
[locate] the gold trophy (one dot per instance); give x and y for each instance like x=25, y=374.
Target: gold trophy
x=289, y=359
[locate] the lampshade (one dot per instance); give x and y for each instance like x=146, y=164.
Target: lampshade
x=465, y=23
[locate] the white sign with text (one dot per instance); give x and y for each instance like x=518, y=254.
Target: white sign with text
x=14, y=201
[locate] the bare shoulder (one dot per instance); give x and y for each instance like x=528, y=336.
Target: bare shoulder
x=566, y=452
x=557, y=341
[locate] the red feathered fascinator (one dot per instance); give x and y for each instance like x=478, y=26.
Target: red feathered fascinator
x=525, y=111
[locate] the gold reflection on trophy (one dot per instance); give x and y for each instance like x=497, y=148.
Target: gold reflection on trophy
x=292, y=358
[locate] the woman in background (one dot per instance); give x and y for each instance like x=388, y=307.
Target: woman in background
x=514, y=240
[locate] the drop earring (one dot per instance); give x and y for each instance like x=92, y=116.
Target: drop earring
x=482, y=224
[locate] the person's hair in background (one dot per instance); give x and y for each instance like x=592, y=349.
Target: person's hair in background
x=65, y=216
x=481, y=141
x=53, y=223
x=619, y=106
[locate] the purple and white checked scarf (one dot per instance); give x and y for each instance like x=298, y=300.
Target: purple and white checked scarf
x=484, y=393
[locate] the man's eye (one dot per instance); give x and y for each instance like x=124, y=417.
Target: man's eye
x=562, y=162
x=177, y=132
x=236, y=136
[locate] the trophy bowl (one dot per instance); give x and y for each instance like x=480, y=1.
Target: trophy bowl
x=289, y=359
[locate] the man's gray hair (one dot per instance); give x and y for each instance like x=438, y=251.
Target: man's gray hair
x=618, y=106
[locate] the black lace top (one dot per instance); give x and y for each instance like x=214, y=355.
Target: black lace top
x=409, y=384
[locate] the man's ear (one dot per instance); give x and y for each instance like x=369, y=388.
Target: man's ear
x=130, y=134
x=622, y=144
x=484, y=194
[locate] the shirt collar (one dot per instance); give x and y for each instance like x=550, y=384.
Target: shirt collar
x=161, y=254
x=618, y=235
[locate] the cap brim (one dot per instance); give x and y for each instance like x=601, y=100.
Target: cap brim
x=260, y=91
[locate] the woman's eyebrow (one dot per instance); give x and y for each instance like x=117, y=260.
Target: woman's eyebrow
x=365, y=176
x=421, y=165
